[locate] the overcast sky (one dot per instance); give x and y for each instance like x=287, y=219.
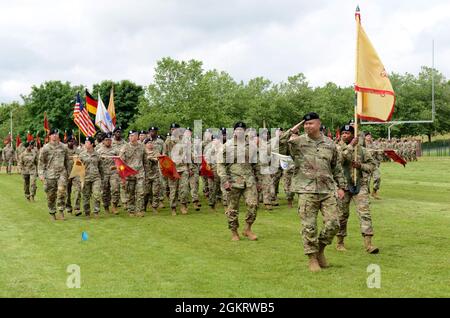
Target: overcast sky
x=85, y=42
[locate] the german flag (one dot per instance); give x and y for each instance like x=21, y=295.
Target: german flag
x=91, y=103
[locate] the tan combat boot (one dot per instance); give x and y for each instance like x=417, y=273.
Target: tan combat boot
x=340, y=244
x=184, y=209
x=235, y=235
x=114, y=210
x=290, y=205
x=321, y=256
x=375, y=195
x=313, y=263
x=174, y=211
x=61, y=216
x=248, y=232
x=161, y=205
x=368, y=245
x=268, y=207
x=140, y=214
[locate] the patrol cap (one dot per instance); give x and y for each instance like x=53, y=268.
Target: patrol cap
x=117, y=129
x=348, y=128
x=311, y=116
x=240, y=124
x=90, y=139
x=108, y=135
x=153, y=128
x=54, y=131
x=174, y=125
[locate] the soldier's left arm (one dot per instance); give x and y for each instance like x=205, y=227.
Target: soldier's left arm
x=336, y=169
x=368, y=164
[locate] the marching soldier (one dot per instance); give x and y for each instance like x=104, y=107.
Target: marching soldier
x=237, y=174
x=8, y=157
x=117, y=144
x=93, y=177
x=194, y=169
x=133, y=154
x=53, y=170
x=363, y=167
x=178, y=188
x=73, y=184
x=111, y=178
x=152, y=172
x=28, y=166
x=315, y=178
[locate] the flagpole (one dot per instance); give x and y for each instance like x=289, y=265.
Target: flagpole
x=11, y=124
x=358, y=20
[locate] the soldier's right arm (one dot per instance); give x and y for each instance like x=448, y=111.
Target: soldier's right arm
x=283, y=143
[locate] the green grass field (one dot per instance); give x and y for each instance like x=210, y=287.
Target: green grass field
x=192, y=256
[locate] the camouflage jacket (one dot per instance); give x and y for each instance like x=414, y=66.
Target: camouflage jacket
x=239, y=175
x=118, y=144
x=347, y=155
x=107, y=164
x=91, y=161
x=53, y=160
x=8, y=152
x=28, y=161
x=317, y=168
x=134, y=156
x=376, y=151
x=180, y=157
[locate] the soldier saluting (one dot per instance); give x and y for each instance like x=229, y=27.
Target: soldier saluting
x=317, y=172
x=53, y=171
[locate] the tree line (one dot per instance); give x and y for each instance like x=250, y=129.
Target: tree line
x=182, y=91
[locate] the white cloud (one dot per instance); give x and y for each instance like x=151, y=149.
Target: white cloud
x=85, y=41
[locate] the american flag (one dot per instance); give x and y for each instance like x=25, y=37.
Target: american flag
x=82, y=119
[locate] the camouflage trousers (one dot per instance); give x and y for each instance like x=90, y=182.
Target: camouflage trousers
x=179, y=189
x=94, y=189
x=224, y=194
x=309, y=206
x=213, y=185
x=267, y=193
x=251, y=200
x=111, y=190
x=56, y=190
x=206, y=188
x=123, y=193
x=276, y=183
x=29, y=185
x=163, y=187
x=9, y=163
x=135, y=194
x=151, y=191
x=287, y=181
x=362, y=209
x=194, y=180
x=73, y=185
x=376, y=176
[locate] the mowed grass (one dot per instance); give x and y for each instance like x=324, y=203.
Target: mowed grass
x=192, y=256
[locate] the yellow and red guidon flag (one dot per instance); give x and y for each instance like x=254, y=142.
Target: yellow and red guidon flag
x=46, y=125
x=205, y=169
x=375, y=96
x=168, y=168
x=123, y=169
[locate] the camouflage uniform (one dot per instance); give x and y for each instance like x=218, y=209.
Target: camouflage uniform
x=241, y=177
x=54, y=167
x=8, y=157
x=287, y=182
x=92, y=181
x=111, y=178
x=377, y=155
x=28, y=165
x=179, y=188
x=134, y=156
x=73, y=184
x=152, y=175
x=212, y=152
x=362, y=198
x=265, y=175
x=117, y=145
x=316, y=172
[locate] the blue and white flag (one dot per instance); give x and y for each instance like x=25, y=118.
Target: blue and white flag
x=103, y=119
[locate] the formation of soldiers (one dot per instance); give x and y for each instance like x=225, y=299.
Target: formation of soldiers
x=325, y=174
